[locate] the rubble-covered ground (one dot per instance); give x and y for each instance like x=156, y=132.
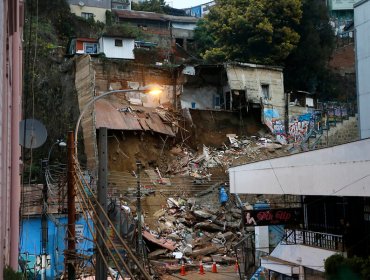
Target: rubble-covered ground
x=183, y=220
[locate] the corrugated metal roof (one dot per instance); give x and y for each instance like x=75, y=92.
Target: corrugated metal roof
x=154, y=16
x=139, y=15
x=108, y=115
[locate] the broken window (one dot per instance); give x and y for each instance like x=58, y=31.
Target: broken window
x=266, y=91
x=118, y=43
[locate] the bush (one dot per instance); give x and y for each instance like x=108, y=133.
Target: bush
x=10, y=274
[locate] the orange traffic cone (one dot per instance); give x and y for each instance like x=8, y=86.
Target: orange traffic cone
x=236, y=266
x=214, y=267
x=182, y=270
x=201, y=268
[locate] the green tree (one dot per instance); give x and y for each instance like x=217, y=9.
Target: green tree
x=150, y=6
x=305, y=67
x=260, y=31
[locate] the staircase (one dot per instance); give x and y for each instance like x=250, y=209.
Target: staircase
x=333, y=133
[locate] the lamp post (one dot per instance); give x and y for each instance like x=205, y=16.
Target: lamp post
x=102, y=178
x=44, y=220
x=151, y=89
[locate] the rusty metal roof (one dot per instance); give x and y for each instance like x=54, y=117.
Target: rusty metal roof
x=154, y=16
x=139, y=15
x=113, y=115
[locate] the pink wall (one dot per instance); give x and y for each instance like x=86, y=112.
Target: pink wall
x=10, y=116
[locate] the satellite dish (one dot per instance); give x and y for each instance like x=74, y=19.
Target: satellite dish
x=81, y=4
x=32, y=133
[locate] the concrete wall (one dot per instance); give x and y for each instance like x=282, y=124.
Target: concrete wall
x=85, y=85
x=344, y=132
x=251, y=78
x=200, y=98
x=362, y=27
x=126, y=51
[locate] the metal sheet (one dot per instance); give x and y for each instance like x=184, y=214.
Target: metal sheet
x=140, y=118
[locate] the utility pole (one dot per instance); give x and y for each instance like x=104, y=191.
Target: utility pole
x=101, y=269
x=71, y=193
x=139, y=223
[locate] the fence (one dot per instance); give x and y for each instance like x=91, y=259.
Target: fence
x=316, y=239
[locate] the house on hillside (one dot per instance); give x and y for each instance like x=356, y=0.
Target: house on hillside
x=233, y=86
x=121, y=4
x=121, y=47
x=117, y=47
x=83, y=46
x=182, y=29
x=240, y=87
x=164, y=30
x=200, y=11
x=95, y=9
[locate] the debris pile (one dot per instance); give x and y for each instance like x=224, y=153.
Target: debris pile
x=187, y=232
x=198, y=165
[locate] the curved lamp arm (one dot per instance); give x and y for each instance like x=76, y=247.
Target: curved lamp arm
x=151, y=89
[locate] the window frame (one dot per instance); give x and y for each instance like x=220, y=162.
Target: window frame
x=118, y=43
x=266, y=93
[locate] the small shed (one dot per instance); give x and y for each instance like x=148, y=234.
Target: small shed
x=117, y=47
x=83, y=46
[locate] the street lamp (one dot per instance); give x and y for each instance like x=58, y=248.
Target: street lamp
x=102, y=177
x=149, y=89
x=60, y=143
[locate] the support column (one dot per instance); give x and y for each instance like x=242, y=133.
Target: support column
x=101, y=269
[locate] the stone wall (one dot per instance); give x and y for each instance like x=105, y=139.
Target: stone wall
x=344, y=132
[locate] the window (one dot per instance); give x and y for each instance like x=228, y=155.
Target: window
x=266, y=91
x=118, y=42
x=87, y=15
x=90, y=48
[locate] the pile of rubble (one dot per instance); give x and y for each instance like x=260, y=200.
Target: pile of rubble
x=187, y=232
x=189, y=163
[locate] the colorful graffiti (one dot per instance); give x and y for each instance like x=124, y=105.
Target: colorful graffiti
x=301, y=126
x=275, y=124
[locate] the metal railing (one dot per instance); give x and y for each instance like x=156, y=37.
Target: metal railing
x=327, y=241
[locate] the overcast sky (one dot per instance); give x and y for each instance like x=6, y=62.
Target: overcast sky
x=179, y=4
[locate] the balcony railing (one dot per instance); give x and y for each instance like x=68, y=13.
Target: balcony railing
x=315, y=239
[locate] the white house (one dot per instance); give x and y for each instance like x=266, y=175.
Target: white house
x=117, y=47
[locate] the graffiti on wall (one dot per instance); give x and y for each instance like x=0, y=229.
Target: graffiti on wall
x=302, y=125
x=275, y=124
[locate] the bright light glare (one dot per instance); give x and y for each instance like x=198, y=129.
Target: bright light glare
x=153, y=89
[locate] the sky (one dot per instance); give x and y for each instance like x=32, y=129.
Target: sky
x=180, y=4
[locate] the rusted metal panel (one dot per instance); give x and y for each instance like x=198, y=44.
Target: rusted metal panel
x=111, y=115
